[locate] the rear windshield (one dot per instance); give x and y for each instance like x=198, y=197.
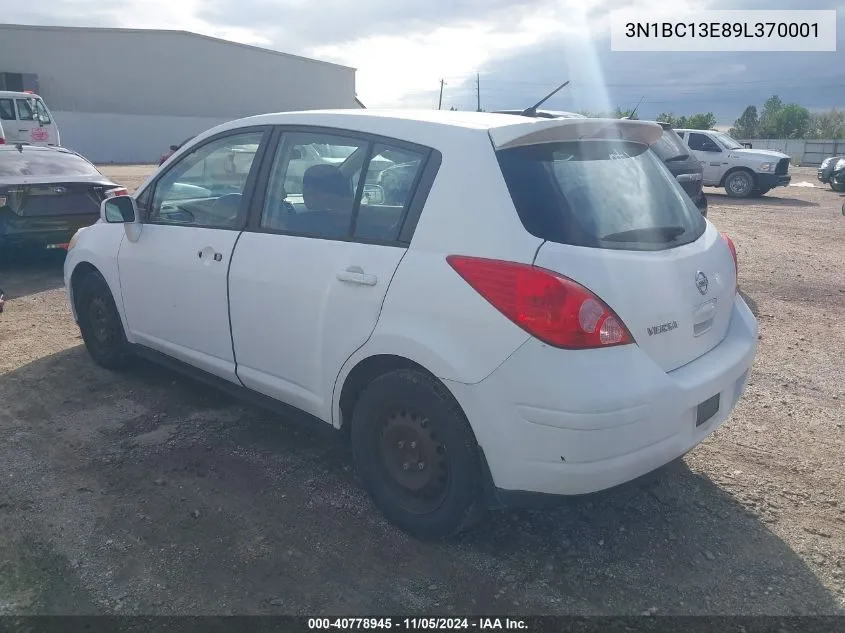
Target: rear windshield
x=37, y=162
x=599, y=194
x=670, y=146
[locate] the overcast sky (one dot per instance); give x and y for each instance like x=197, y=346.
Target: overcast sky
x=520, y=48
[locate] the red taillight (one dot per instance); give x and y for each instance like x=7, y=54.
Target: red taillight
x=733, y=254
x=117, y=191
x=553, y=308
x=2, y=141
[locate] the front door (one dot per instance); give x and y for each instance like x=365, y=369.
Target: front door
x=34, y=124
x=311, y=272
x=9, y=119
x=709, y=154
x=174, y=277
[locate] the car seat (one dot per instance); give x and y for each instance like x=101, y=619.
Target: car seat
x=328, y=196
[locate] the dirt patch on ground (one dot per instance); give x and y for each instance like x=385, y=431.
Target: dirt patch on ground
x=142, y=492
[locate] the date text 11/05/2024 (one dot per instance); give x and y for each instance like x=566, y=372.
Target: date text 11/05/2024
x=722, y=29
x=417, y=624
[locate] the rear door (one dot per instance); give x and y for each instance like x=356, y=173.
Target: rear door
x=640, y=244
x=310, y=274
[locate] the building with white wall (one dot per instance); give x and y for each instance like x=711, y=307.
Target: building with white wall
x=126, y=95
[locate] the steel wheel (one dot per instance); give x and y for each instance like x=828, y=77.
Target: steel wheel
x=100, y=323
x=416, y=454
x=414, y=459
x=739, y=184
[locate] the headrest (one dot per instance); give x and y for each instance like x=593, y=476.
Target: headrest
x=325, y=188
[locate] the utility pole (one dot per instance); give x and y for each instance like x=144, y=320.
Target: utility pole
x=478, y=90
x=440, y=100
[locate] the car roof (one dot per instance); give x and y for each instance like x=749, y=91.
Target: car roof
x=18, y=147
x=18, y=94
x=548, y=114
x=451, y=118
x=21, y=148
x=437, y=127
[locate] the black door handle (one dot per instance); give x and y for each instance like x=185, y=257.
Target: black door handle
x=218, y=257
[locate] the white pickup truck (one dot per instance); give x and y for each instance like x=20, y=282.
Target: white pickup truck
x=743, y=172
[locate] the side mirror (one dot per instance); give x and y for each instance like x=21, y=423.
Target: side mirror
x=747, y=145
x=173, y=148
x=121, y=209
x=296, y=154
x=118, y=210
x=373, y=194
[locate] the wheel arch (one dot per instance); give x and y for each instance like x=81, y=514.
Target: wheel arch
x=80, y=270
x=371, y=367
x=364, y=371
x=733, y=170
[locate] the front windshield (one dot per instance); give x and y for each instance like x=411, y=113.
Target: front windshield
x=726, y=141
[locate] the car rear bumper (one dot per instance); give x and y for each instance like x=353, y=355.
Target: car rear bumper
x=37, y=239
x=574, y=422
x=770, y=181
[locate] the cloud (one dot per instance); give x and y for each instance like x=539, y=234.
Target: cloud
x=521, y=48
x=327, y=22
x=723, y=83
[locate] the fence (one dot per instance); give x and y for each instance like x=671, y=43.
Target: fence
x=803, y=152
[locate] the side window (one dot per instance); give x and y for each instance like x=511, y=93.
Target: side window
x=308, y=191
x=7, y=110
x=41, y=111
x=702, y=143
x=388, y=187
x=142, y=202
x=206, y=186
x=25, y=110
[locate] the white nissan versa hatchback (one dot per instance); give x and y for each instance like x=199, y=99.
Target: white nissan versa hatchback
x=488, y=305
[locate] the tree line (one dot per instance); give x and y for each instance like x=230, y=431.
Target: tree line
x=775, y=120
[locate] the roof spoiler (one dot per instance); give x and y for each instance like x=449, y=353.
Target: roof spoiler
x=538, y=131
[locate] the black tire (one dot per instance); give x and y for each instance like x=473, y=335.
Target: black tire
x=739, y=184
x=392, y=410
x=99, y=322
x=837, y=187
x=759, y=193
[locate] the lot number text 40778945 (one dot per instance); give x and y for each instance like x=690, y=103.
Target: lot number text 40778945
x=417, y=624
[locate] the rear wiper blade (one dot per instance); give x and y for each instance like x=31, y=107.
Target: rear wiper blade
x=676, y=158
x=649, y=234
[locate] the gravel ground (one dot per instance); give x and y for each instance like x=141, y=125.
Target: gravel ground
x=145, y=493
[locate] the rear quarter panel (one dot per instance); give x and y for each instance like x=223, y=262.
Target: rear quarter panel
x=430, y=314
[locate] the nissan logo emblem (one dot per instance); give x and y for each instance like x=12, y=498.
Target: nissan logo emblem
x=701, y=282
